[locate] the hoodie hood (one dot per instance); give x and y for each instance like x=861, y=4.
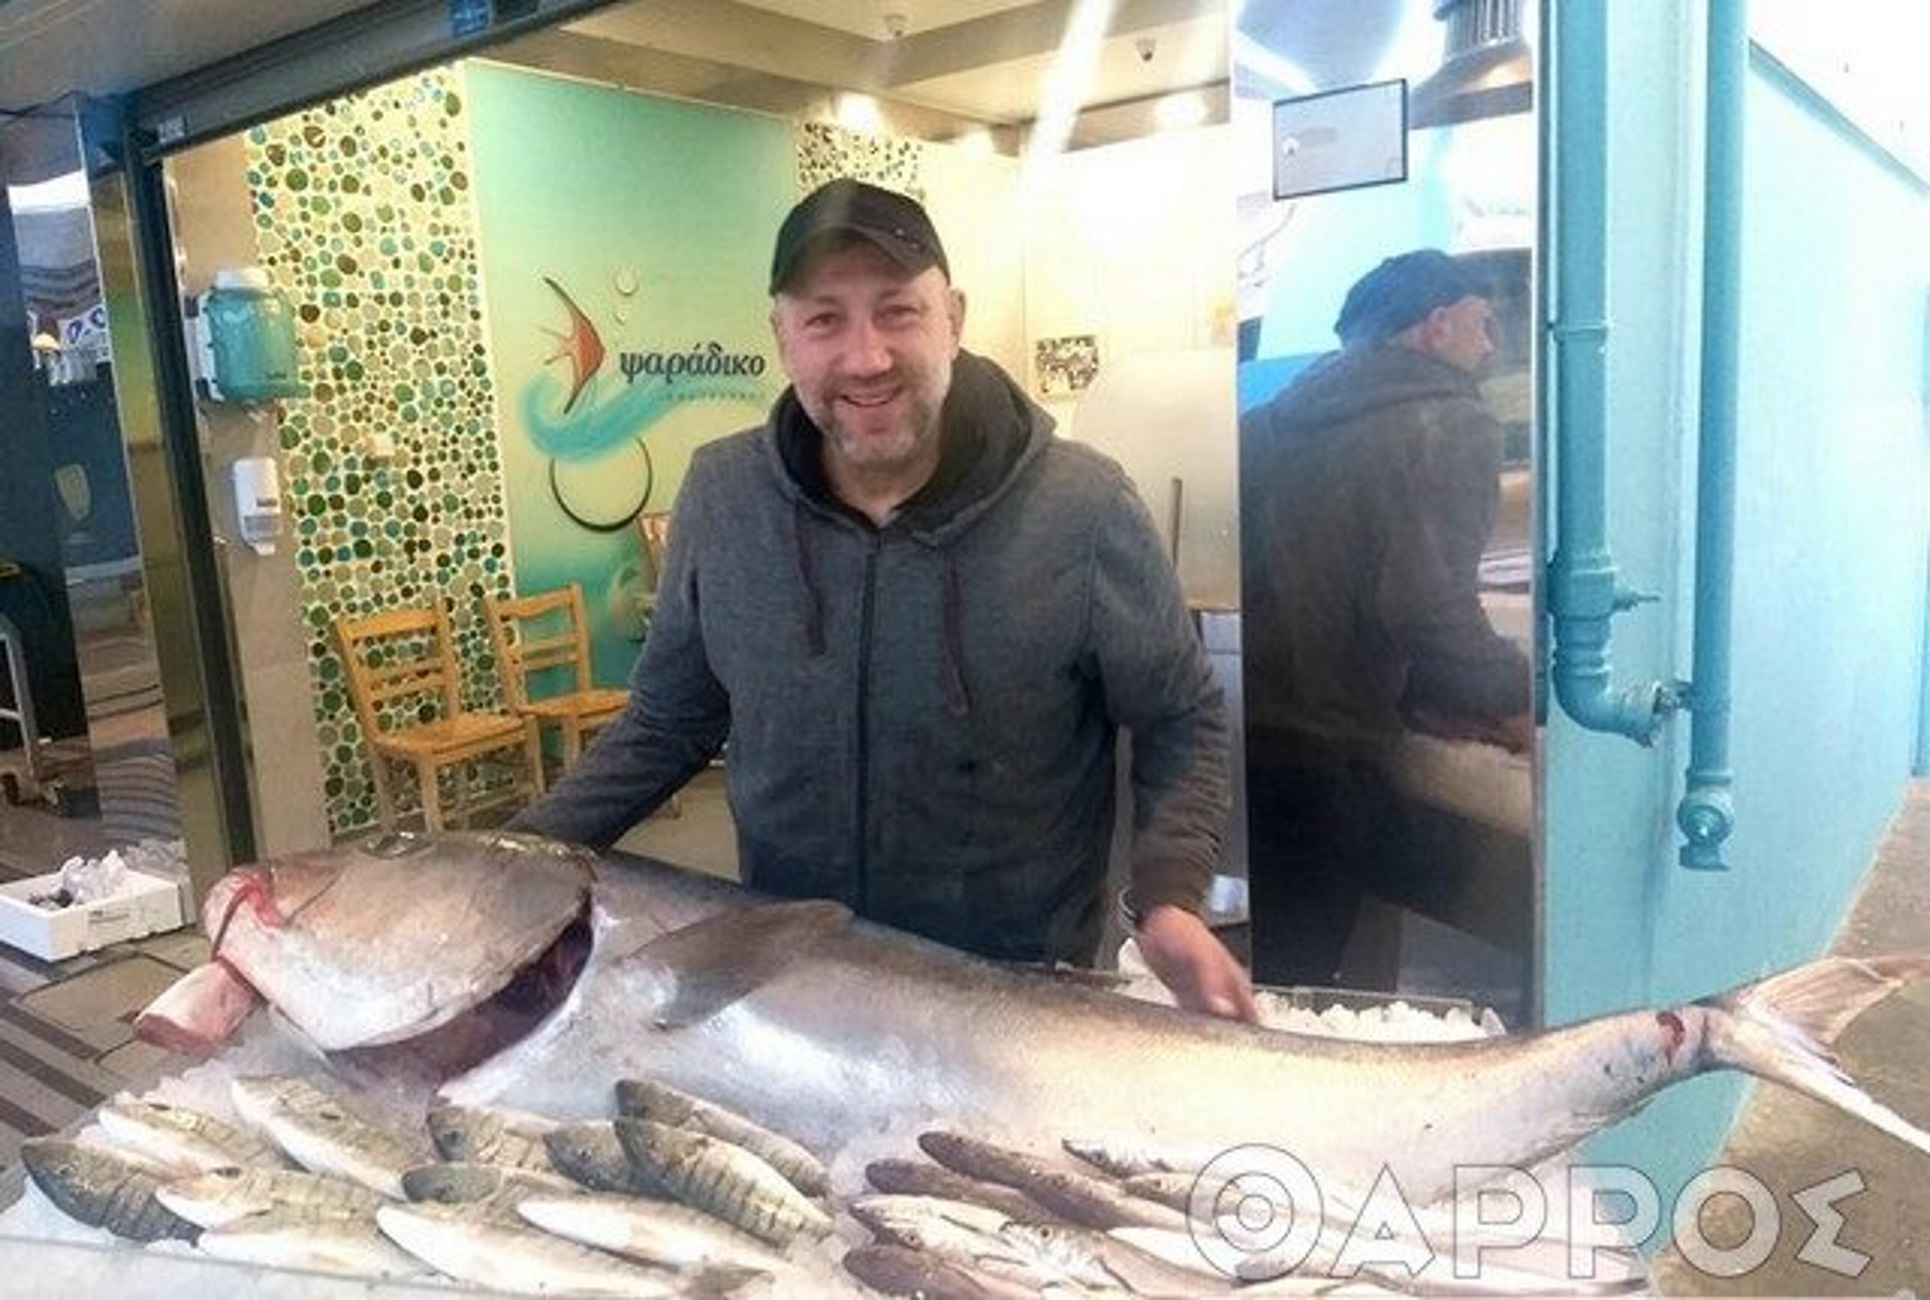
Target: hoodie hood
x=989, y=430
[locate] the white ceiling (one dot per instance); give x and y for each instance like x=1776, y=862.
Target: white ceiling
x=936, y=64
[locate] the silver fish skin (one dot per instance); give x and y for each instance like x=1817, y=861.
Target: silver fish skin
x=903, y=1271
x=181, y=1138
x=102, y=1190
x=957, y=1230
x=460, y=1182
x=589, y=1154
x=1067, y=1194
x=923, y=1178
x=493, y=1251
x=1096, y=1259
x=753, y=1005
x=647, y=1099
x=487, y=1136
x=325, y=1136
x=379, y=941
x=726, y=1180
x=352, y=1245
x=657, y=1232
x=224, y=1195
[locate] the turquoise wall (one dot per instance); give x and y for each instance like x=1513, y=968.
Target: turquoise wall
x=1833, y=466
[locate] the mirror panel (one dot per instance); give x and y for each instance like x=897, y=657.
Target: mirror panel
x=1385, y=492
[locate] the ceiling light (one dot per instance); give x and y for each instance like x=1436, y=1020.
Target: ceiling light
x=860, y=114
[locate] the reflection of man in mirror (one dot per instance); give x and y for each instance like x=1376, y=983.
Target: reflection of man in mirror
x=1370, y=486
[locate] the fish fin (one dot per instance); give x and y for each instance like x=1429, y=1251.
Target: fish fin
x=711, y=963
x=1781, y=1029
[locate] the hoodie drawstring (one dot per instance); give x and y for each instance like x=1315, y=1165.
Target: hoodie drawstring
x=952, y=644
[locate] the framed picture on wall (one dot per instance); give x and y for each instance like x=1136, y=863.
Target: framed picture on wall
x=1065, y=364
x=1340, y=139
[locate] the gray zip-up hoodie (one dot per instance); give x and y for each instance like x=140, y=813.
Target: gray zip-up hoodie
x=922, y=716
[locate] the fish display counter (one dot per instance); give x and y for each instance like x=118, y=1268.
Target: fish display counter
x=707, y=1092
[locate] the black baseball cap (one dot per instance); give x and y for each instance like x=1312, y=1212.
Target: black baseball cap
x=1401, y=291
x=894, y=222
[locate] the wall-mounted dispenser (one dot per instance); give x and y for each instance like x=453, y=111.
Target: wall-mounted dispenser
x=258, y=502
x=244, y=333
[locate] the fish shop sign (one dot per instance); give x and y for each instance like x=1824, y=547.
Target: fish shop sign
x=1257, y=1214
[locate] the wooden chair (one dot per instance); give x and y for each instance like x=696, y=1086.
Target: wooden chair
x=402, y=676
x=544, y=632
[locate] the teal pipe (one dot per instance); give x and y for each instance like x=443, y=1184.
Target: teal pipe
x=1706, y=814
x=1583, y=592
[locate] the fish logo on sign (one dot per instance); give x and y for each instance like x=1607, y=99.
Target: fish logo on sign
x=599, y=466
x=582, y=346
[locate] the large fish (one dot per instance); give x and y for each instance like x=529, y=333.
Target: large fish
x=379, y=942
x=853, y=1038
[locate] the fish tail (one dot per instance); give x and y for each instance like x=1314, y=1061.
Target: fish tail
x=1782, y=1029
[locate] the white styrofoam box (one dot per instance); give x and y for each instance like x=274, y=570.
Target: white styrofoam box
x=148, y=905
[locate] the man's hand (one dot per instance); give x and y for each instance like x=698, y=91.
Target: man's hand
x=1191, y=961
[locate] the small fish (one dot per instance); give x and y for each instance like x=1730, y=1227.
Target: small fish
x=659, y=1232
x=323, y=1135
x=923, y=1178
x=1078, y=1198
x=954, y=1230
x=182, y=1139
x=644, y=1099
x=727, y=1180
x=492, y=1251
x=1124, y=1160
x=589, y=1154
x=461, y=1182
x=900, y=1271
x=223, y=1195
x=489, y=1136
x=350, y=1244
x=102, y=1189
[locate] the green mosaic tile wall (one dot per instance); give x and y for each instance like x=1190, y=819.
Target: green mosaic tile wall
x=826, y=152
x=362, y=218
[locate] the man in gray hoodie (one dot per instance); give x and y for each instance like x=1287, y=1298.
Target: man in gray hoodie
x=920, y=618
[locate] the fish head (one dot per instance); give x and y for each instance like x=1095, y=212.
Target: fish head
x=657, y=1146
x=459, y=1131
x=382, y=942
x=452, y=1183
x=215, y=1196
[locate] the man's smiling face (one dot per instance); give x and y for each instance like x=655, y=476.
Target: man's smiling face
x=869, y=350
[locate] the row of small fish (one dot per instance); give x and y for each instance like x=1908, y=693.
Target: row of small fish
x=517, y=1202
x=986, y=1222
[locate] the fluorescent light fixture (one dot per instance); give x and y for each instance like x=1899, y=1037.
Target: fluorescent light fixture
x=1073, y=67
